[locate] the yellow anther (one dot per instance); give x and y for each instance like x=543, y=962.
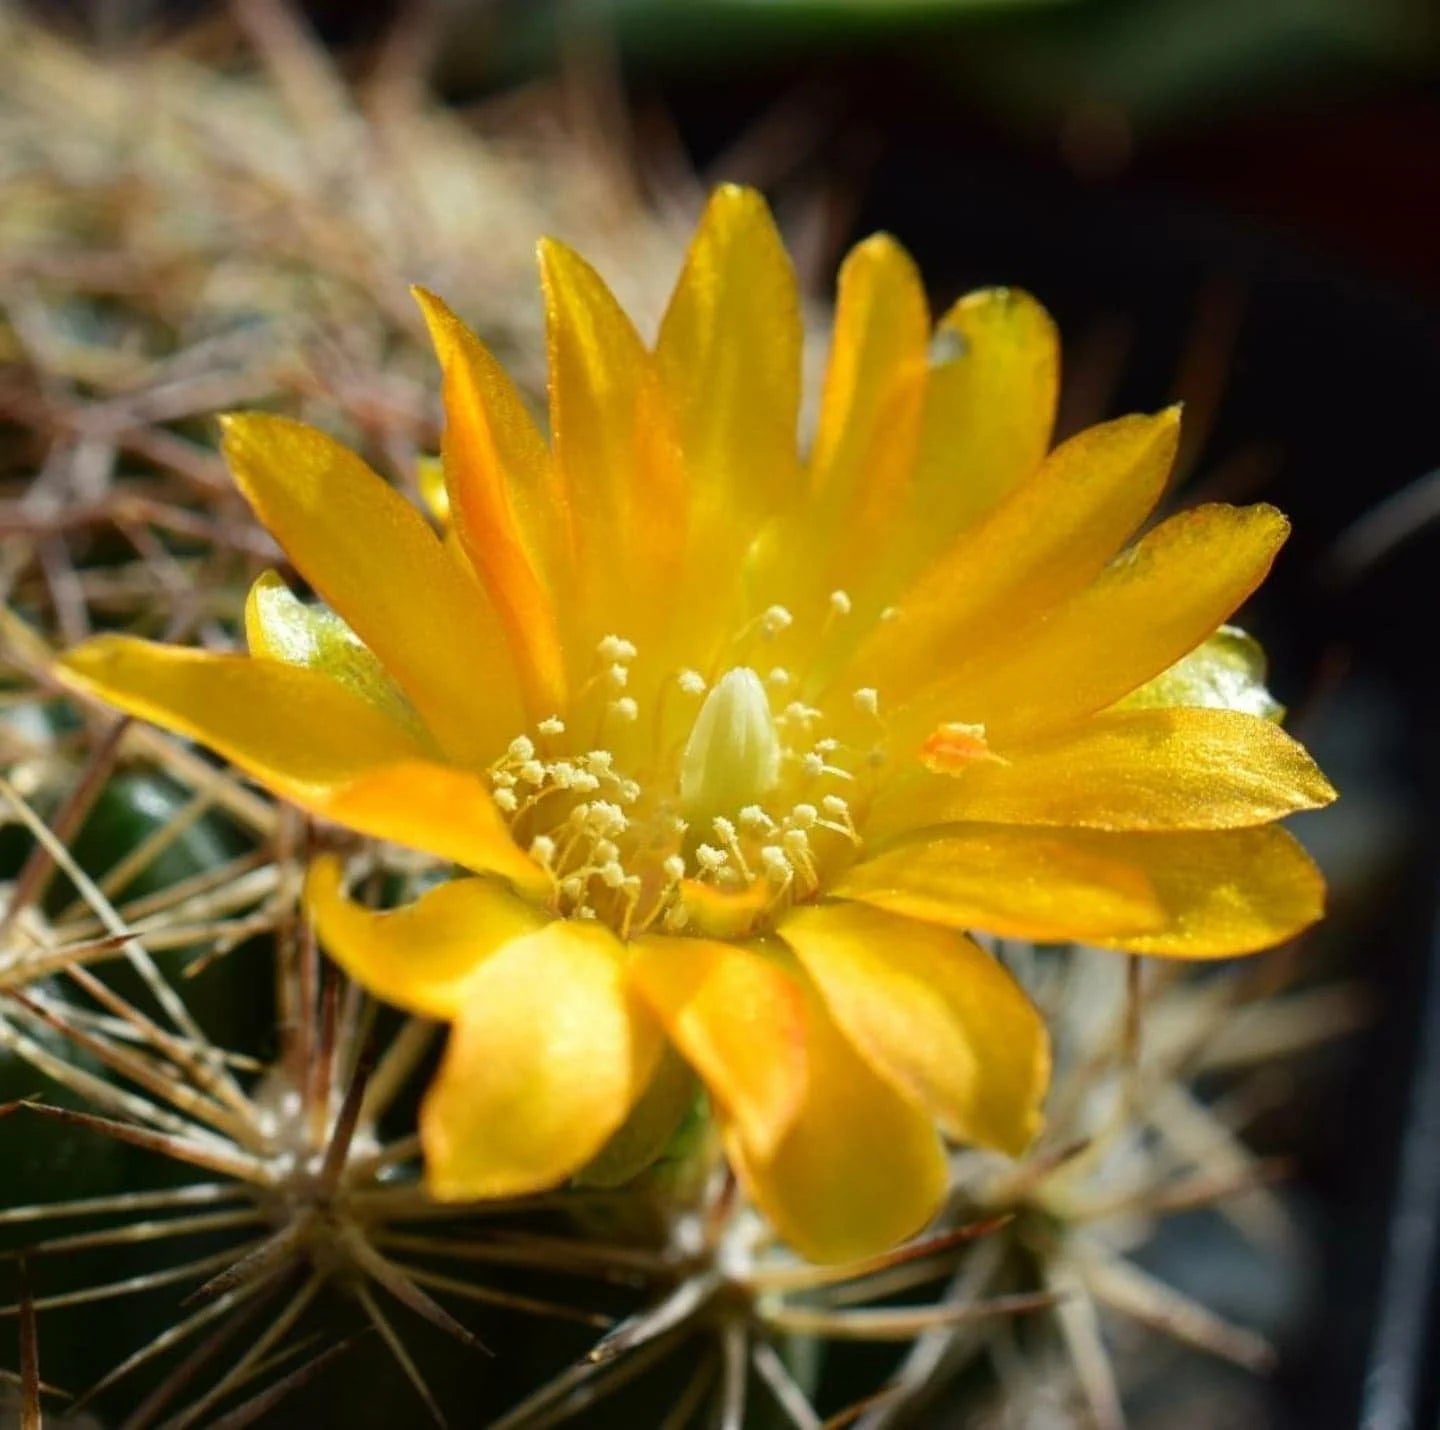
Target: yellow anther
x=615, y=648
x=840, y=603
x=776, y=864
x=606, y=819
x=867, y=700
x=775, y=620
x=551, y=725
x=691, y=682
x=710, y=859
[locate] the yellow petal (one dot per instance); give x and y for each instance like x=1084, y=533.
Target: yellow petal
x=278, y=626
x=729, y=355
x=422, y=956
x=1155, y=603
x=295, y=730
x=505, y=502
x=441, y=810
x=1048, y=885
x=310, y=740
x=738, y=1018
x=861, y=1167
x=376, y=562
x=989, y=409
x=1232, y=892
x=870, y=408
x=1051, y=537
x=1182, y=768
x=546, y=1059
x=934, y=1014
x=616, y=469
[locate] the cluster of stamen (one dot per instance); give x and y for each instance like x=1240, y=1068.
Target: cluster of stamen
x=626, y=845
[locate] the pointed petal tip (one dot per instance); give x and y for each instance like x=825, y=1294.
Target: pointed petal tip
x=728, y=191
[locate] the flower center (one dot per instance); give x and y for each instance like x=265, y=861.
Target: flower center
x=700, y=803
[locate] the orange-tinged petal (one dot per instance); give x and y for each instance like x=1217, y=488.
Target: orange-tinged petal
x=506, y=505
x=729, y=355
x=442, y=810
x=545, y=1061
x=861, y=1168
x=1048, y=885
x=1046, y=541
x=295, y=730
x=1181, y=768
x=279, y=626
x=869, y=411
x=1231, y=892
x=723, y=913
x=1159, y=600
x=935, y=1014
x=422, y=956
x=617, y=470
x=989, y=410
x=739, y=1019
x=377, y=563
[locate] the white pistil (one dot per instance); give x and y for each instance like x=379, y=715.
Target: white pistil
x=732, y=757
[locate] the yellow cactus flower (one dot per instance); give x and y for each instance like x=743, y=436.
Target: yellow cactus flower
x=738, y=746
